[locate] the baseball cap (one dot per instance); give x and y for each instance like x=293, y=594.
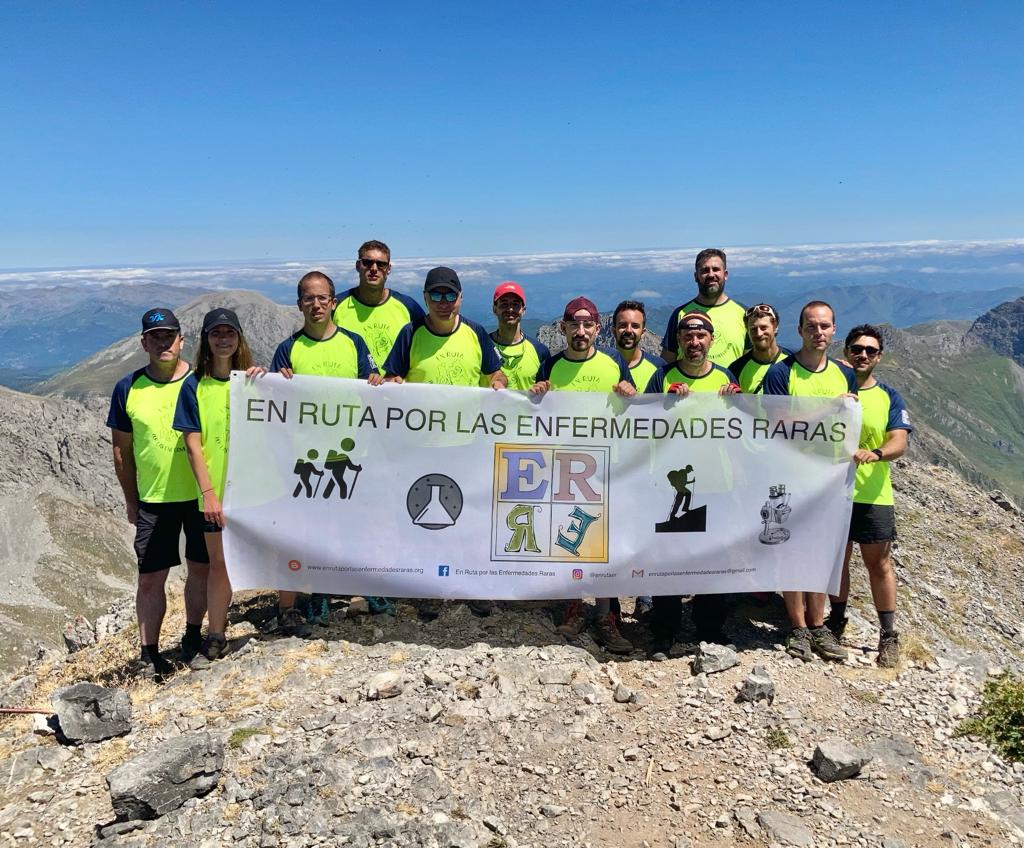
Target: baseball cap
x=508, y=287
x=696, y=321
x=442, y=278
x=580, y=304
x=221, y=318
x=160, y=319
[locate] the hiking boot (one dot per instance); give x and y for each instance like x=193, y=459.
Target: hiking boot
x=606, y=632
x=574, y=620
x=291, y=622
x=888, y=650
x=798, y=644
x=215, y=646
x=837, y=626
x=481, y=608
x=643, y=606
x=379, y=606
x=825, y=645
x=190, y=646
x=660, y=648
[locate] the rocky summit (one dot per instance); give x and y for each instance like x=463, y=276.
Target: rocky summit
x=488, y=732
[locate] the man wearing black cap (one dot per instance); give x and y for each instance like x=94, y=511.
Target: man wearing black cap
x=470, y=358
x=583, y=367
x=693, y=372
x=159, y=489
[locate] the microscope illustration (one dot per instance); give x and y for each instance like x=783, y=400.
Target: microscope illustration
x=774, y=513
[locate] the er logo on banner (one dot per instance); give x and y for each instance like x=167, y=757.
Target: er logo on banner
x=550, y=503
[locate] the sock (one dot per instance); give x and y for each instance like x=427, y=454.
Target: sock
x=888, y=621
x=193, y=633
x=838, y=611
x=151, y=655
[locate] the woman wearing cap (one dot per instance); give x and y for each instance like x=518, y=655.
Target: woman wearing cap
x=202, y=415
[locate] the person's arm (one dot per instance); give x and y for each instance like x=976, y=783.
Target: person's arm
x=124, y=468
x=396, y=366
x=625, y=388
x=669, y=340
x=213, y=510
x=497, y=380
x=894, y=446
x=540, y=388
x=282, y=361
x=366, y=368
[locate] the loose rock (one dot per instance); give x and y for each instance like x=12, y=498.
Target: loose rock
x=836, y=759
x=90, y=713
x=712, y=658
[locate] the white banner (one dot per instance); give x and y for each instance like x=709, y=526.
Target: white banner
x=339, y=487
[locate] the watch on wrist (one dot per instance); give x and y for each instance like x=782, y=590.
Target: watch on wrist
x=877, y=452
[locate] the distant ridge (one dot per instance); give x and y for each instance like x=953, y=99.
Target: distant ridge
x=266, y=324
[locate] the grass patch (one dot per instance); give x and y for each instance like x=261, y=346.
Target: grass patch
x=1001, y=717
x=239, y=735
x=776, y=739
x=914, y=649
x=865, y=696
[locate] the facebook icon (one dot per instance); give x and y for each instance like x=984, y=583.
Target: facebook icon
x=442, y=571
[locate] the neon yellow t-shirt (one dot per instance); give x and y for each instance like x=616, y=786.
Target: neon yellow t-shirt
x=730, y=330
x=378, y=325
x=204, y=407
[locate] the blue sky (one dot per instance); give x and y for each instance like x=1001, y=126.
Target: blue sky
x=146, y=133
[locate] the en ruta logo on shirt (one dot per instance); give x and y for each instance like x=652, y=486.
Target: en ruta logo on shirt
x=550, y=503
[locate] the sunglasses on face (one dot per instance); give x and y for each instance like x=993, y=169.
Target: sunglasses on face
x=447, y=296
x=367, y=264
x=870, y=350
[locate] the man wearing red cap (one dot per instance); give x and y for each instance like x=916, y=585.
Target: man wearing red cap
x=521, y=355
x=582, y=367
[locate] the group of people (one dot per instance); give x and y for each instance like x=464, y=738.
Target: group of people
x=169, y=426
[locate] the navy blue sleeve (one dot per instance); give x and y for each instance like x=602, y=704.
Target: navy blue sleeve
x=544, y=372
x=738, y=365
x=899, y=416
x=656, y=385
x=283, y=355
x=117, y=417
x=669, y=341
x=397, y=363
x=416, y=312
x=728, y=373
x=851, y=378
x=776, y=381
x=656, y=361
x=543, y=353
x=186, y=414
x=624, y=373
x=490, y=359
x=364, y=359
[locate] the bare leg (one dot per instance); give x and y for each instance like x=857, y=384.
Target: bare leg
x=844, y=585
x=878, y=559
x=195, y=591
x=286, y=600
x=151, y=605
x=815, y=608
x=795, y=609
x=218, y=586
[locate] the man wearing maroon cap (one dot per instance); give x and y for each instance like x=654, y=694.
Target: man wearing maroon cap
x=521, y=355
x=582, y=367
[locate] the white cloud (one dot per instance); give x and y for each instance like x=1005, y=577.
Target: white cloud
x=648, y=293
x=807, y=260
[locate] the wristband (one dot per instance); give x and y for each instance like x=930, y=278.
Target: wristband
x=878, y=452
x=206, y=490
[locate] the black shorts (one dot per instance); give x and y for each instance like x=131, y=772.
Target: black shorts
x=158, y=530
x=872, y=523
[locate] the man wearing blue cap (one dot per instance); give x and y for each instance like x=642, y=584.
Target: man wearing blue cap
x=159, y=490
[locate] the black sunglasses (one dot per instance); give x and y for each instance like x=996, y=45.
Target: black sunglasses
x=367, y=264
x=870, y=350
